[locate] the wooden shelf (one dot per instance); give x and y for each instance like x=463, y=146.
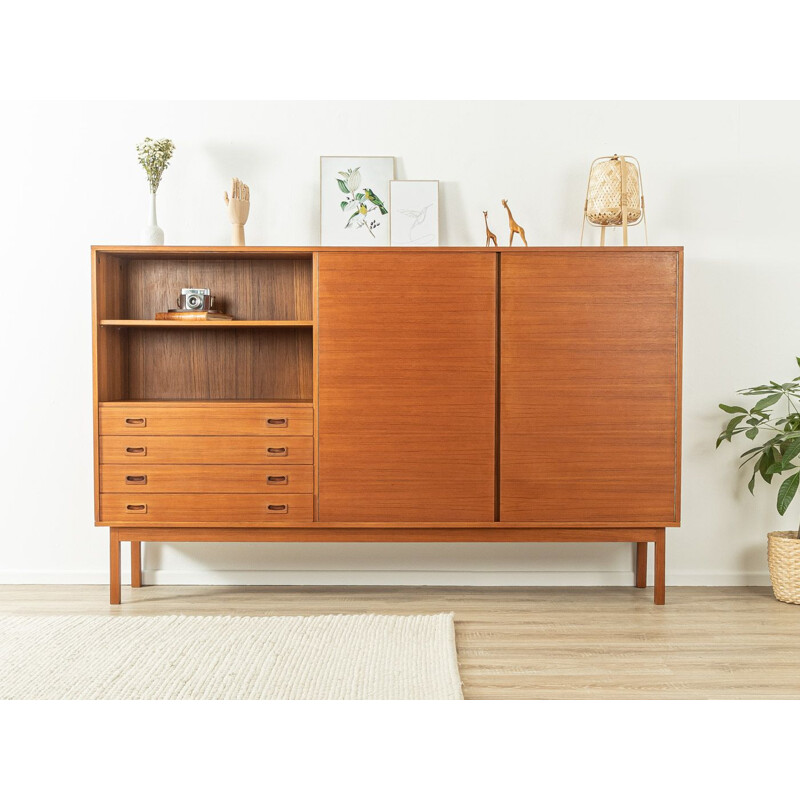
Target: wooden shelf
x=232, y=323
x=270, y=401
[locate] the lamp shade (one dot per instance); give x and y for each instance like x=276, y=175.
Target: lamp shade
x=614, y=196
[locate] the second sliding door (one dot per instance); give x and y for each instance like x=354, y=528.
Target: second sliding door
x=589, y=386
x=407, y=378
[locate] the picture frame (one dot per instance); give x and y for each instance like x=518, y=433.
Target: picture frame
x=414, y=213
x=354, y=200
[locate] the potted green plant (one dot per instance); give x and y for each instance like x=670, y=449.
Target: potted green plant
x=775, y=415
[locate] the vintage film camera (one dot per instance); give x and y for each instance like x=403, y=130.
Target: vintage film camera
x=195, y=300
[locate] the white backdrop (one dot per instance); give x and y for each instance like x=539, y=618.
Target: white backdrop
x=720, y=178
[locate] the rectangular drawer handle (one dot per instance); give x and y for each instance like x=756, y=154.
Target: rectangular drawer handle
x=136, y=508
x=136, y=422
x=279, y=422
x=282, y=508
x=277, y=479
x=136, y=451
x=136, y=480
x=277, y=451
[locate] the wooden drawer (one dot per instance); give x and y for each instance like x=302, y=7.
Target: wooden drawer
x=168, y=508
x=218, y=419
x=278, y=450
x=219, y=479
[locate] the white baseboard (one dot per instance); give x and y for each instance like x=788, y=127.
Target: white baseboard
x=388, y=578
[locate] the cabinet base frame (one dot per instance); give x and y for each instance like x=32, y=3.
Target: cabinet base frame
x=639, y=536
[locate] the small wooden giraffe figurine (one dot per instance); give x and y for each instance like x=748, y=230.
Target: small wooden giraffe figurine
x=490, y=237
x=513, y=227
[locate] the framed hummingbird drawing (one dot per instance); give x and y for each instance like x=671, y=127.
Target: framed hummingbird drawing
x=354, y=200
x=414, y=213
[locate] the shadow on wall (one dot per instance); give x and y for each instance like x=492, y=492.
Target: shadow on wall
x=451, y=201
x=227, y=160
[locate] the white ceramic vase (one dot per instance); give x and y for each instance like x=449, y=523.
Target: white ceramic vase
x=152, y=234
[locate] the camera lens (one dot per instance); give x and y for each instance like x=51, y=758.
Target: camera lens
x=194, y=301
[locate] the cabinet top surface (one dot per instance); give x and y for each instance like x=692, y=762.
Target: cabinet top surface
x=307, y=250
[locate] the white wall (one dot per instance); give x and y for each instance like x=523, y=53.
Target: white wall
x=722, y=179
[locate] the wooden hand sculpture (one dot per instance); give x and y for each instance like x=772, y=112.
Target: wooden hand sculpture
x=238, y=210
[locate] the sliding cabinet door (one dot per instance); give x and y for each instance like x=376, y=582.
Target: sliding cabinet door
x=407, y=387
x=589, y=386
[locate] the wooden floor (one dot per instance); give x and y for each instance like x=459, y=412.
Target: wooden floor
x=528, y=643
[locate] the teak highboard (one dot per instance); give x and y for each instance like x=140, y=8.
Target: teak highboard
x=389, y=394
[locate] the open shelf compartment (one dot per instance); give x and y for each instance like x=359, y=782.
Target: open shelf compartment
x=265, y=352
x=223, y=323
x=236, y=364
x=263, y=289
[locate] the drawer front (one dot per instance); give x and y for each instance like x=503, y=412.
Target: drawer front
x=146, y=420
x=143, y=508
x=273, y=450
x=219, y=479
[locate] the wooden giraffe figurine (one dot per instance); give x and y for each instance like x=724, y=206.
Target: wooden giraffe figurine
x=513, y=227
x=490, y=237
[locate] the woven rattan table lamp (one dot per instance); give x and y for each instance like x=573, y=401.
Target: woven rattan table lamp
x=614, y=196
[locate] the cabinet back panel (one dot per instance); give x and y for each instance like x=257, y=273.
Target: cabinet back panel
x=589, y=387
x=229, y=364
x=253, y=289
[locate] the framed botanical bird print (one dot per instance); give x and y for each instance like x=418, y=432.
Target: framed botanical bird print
x=354, y=200
x=414, y=213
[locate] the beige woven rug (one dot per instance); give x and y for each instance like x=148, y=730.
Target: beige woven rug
x=342, y=657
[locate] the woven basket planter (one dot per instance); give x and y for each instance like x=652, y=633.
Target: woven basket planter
x=783, y=557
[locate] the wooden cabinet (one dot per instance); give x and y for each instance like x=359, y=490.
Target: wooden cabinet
x=407, y=387
x=589, y=387
x=379, y=394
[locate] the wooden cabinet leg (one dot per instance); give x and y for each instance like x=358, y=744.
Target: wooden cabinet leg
x=659, y=590
x=136, y=564
x=641, y=565
x=115, y=578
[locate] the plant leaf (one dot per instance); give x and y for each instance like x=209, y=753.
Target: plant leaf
x=791, y=452
x=764, y=462
x=731, y=427
x=787, y=492
x=755, y=449
x=764, y=389
x=752, y=484
x=752, y=433
x=768, y=401
x=733, y=409
x=342, y=186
